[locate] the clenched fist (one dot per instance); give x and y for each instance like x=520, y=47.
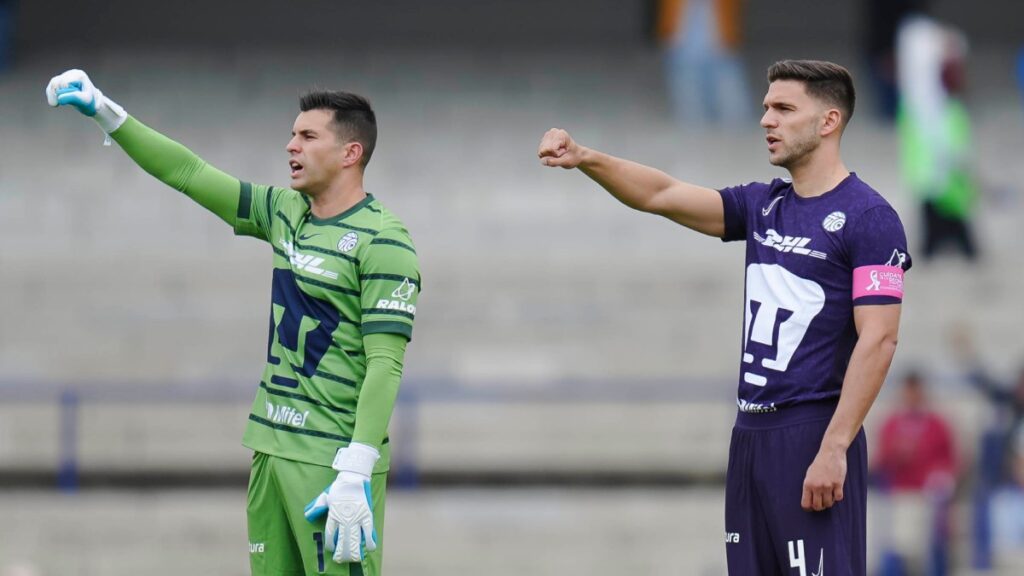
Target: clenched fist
x=557, y=148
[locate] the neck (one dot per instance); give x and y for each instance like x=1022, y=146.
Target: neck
x=818, y=173
x=343, y=194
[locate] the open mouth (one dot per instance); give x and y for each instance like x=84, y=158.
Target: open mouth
x=295, y=167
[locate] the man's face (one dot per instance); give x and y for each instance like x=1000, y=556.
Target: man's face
x=316, y=156
x=792, y=120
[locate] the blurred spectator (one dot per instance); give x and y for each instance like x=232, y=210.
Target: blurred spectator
x=1008, y=401
x=916, y=465
x=935, y=132
x=882, y=19
x=1007, y=500
x=704, y=72
x=916, y=449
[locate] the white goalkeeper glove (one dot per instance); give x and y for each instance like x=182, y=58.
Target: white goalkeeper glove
x=348, y=504
x=73, y=88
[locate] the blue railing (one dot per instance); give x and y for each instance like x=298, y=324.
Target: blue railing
x=70, y=398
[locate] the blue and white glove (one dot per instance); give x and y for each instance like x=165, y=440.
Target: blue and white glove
x=73, y=88
x=348, y=504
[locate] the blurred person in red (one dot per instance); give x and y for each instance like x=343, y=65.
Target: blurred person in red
x=916, y=469
x=916, y=448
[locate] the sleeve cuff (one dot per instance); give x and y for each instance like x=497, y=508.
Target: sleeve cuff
x=384, y=327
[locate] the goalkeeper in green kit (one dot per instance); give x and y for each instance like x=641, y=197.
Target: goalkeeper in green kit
x=345, y=285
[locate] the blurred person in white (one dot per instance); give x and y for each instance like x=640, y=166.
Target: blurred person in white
x=916, y=471
x=703, y=66
x=935, y=133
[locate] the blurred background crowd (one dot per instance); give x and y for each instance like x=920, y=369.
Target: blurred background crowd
x=569, y=390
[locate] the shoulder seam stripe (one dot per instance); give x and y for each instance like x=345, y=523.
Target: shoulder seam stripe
x=369, y=231
x=383, y=276
x=288, y=224
x=390, y=242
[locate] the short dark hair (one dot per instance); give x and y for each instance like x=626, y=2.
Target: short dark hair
x=825, y=81
x=353, y=117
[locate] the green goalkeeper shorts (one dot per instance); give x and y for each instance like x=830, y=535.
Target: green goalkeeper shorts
x=281, y=541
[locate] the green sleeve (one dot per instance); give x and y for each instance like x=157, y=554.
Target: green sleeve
x=179, y=168
x=390, y=284
x=385, y=354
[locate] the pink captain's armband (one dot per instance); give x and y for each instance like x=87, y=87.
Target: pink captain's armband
x=878, y=281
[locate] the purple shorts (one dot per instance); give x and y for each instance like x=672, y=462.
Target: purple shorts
x=767, y=533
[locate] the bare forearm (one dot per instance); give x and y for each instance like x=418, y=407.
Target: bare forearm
x=633, y=184
x=869, y=364
x=650, y=190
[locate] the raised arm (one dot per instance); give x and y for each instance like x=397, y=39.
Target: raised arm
x=158, y=155
x=637, y=186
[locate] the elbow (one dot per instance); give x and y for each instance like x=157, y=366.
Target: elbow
x=887, y=343
x=884, y=341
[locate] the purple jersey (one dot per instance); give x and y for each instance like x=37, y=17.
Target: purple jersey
x=809, y=262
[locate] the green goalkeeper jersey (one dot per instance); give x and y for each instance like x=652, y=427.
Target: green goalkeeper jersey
x=335, y=280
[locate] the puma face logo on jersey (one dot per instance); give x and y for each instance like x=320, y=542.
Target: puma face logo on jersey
x=306, y=262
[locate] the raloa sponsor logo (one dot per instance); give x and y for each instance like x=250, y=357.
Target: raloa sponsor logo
x=385, y=304
x=405, y=291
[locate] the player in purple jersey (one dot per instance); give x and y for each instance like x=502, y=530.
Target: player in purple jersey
x=824, y=285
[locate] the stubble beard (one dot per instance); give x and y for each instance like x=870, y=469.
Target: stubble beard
x=798, y=153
